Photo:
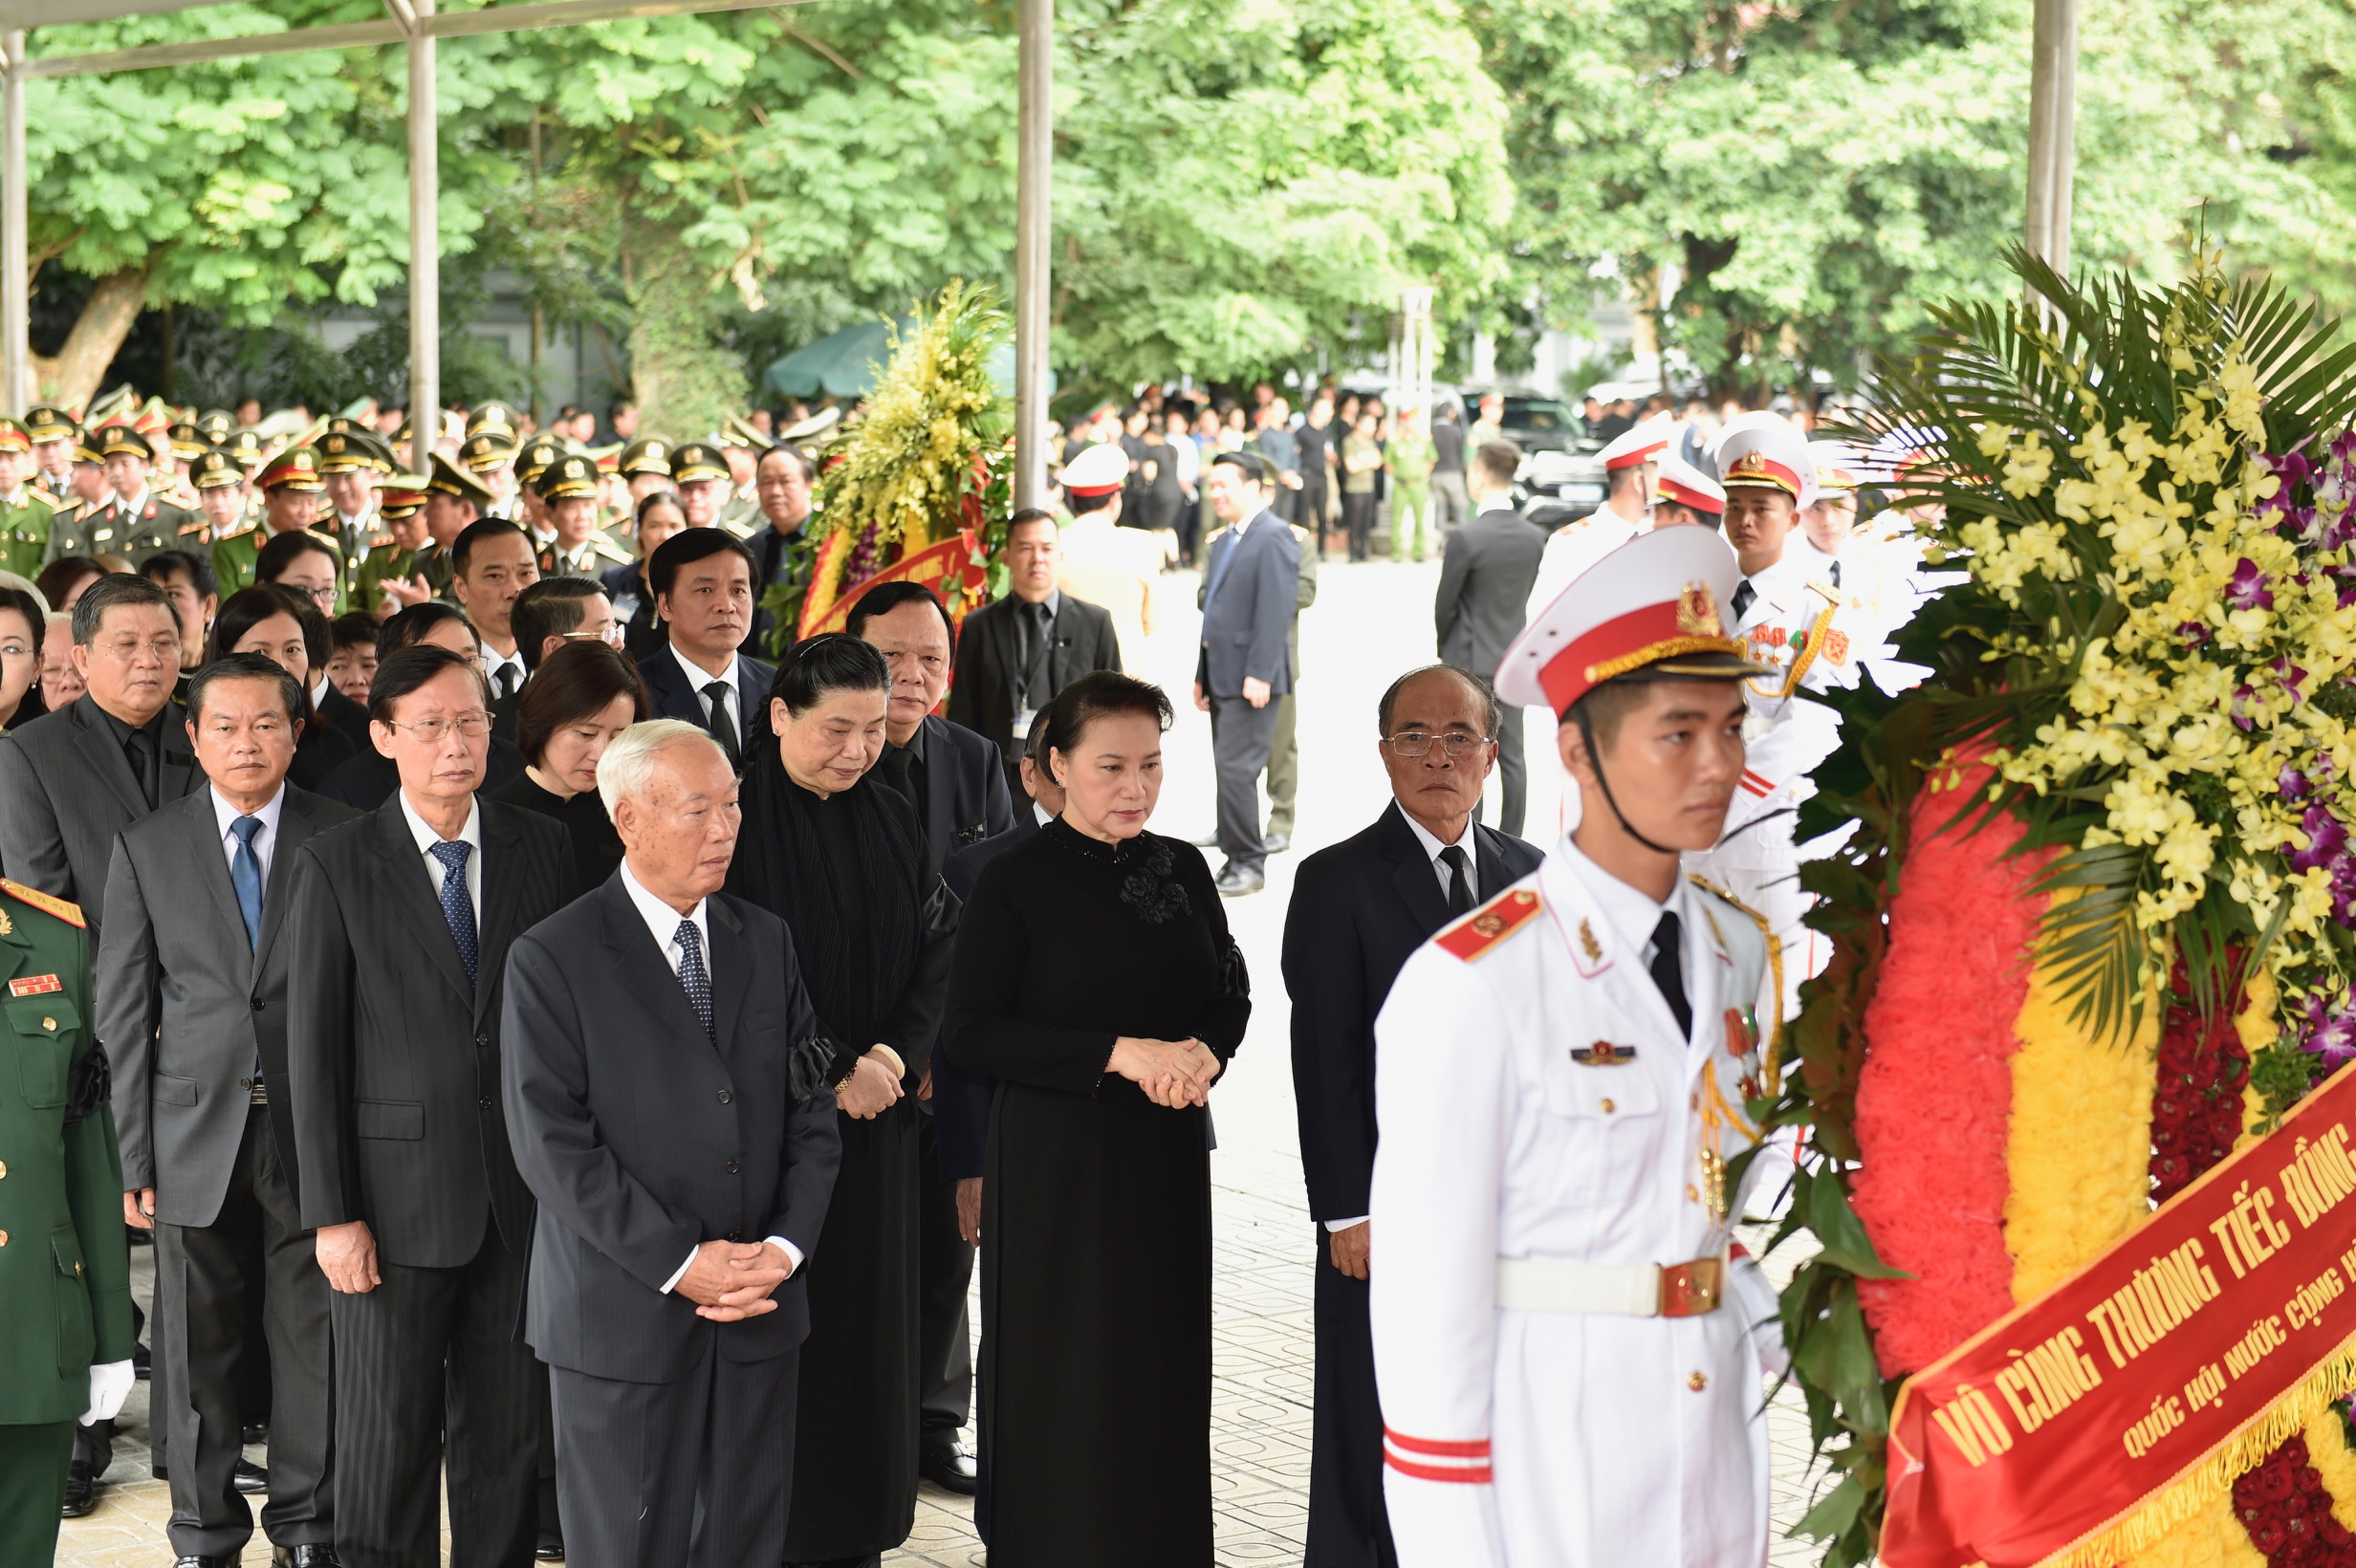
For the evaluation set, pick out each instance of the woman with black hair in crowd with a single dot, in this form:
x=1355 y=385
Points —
x=834 y=851
x=660 y=514
x=22 y=626
x=268 y=620
x=580 y=698
x=1096 y=983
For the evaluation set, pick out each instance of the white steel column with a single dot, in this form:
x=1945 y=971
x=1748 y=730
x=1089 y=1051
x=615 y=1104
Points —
x=17 y=392
x=1034 y=218
x=2053 y=130
x=424 y=247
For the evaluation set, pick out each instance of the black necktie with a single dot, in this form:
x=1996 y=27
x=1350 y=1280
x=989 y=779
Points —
x=507 y=680
x=1836 y=573
x=723 y=724
x=1036 y=678
x=692 y=976
x=139 y=750
x=1460 y=884
x=1668 y=971
x=1745 y=596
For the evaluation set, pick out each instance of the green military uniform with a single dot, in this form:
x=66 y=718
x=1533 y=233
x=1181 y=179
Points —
x=139 y=533
x=65 y=1285
x=71 y=534
x=597 y=555
x=24 y=532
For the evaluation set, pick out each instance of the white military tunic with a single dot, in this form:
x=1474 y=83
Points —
x=1571 y=550
x=1528 y=1437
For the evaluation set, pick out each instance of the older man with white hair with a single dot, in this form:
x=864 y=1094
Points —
x=665 y=1082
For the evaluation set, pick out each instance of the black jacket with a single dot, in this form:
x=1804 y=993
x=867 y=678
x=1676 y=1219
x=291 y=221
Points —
x=643 y=1139
x=960 y=1098
x=1486 y=569
x=990 y=663
x=66 y=789
x=341 y=713
x=965 y=798
x=1359 y=910
x=393 y=1057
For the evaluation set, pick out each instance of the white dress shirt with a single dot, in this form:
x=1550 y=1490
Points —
x=426 y=838
x=698 y=678
x=265 y=843
x=1634 y=914
x=494 y=661
x=1432 y=847
x=319 y=694
x=663 y=924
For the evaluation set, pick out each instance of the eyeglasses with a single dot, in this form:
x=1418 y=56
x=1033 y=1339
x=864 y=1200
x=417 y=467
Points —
x=1417 y=743
x=473 y=725
x=324 y=596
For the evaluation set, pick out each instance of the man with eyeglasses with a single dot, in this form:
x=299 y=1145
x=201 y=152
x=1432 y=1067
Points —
x=402 y=923
x=71 y=781
x=1359 y=909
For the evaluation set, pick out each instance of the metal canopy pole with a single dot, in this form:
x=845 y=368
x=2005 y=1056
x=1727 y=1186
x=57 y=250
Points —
x=1034 y=140
x=2053 y=131
x=16 y=391
x=425 y=248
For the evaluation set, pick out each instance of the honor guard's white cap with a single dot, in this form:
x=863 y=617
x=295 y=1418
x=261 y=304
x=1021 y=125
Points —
x=1641 y=443
x=1097 y=470
x=1768 y=457
x=1680 y=483
x=1839 y=470
x=1656 y=601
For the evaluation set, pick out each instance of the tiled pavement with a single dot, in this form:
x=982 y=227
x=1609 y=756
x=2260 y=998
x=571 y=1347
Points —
x=1262 y=1327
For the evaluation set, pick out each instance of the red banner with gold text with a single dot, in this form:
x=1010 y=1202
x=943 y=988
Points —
x=2081 y=1425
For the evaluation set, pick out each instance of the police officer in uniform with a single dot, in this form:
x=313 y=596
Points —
x=489 y=455
x=645 y=467
x=291 y=489
x=24 y=510
x=530 y=463
x=75 y=529
x=1568 y=1345
x=135 y=521
x=703 y=483
x=52 y=431
x=578 y=548
x=65 y=1285
x=350 y=460
x=400 y=505
x=221 y=498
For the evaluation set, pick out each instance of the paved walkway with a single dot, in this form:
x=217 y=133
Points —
x=1372 y=622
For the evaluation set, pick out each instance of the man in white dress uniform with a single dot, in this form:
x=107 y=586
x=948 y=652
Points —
x=1568 y=1346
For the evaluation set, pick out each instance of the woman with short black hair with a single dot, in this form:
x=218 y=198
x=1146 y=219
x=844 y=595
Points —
x=582 y=697
x=829 y=847
x=1096 y=983
x=269 y=619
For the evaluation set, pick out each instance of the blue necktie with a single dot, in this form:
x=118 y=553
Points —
x=1218 y=568
x=246 y=875
x=456 y=907
x=692 y=976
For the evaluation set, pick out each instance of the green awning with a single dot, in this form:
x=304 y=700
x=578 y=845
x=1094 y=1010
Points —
x=842 y=364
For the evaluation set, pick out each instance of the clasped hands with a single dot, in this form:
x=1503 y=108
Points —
x=729 y=1281
x=1173 y=1073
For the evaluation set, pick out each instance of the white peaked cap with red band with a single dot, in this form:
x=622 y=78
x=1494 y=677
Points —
x=1680 y=482
x=1638 y=443
x=1768 y=457
x=1839 y=469
x=1097 y=470
x=1662 y=600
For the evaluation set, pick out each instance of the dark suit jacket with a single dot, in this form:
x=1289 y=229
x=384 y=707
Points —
x=186 y=1007
x=341 y=713
x=393 y=1058
x=1486 y=569
x=1359 y=910
x=642 y=1138
x=66 y=789
x=1247 y=620
x=990 y=663
x=674 y=699
x=966 y=799
x=961 y=1099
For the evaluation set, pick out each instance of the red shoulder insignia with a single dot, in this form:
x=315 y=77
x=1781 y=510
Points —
x=69 y=913
x=1491 y=924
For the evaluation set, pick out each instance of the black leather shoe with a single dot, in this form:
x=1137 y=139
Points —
x=550 y=1550
x=949 y=1466
x=1276 y=843
x=309 y=1555
x=204 y=1563
x=250 y=1478
x=1235 y=882
x=142 y=1362
x=81 y=1492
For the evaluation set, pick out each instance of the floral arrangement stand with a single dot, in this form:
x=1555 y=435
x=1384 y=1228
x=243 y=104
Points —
x=2091 y=933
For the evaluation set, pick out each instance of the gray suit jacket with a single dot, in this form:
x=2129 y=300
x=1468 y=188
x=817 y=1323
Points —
x=186 y=1008
x=1249 y=610
x=1486 y=569
x=66 y=789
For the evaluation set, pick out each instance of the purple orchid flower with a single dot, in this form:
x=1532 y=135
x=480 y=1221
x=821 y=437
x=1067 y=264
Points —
x=2290 y=675
x=2334 y=1040
x=2326 y=838
x=2240 y=713
x=2248 y=590
x=2291 y=784
x=2196 y=633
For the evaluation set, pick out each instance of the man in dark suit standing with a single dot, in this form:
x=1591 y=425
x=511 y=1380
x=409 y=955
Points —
x=402 y=923
x=73 y=779
x=1013 y=656
x=682 y=1150
x=192 y=995
x=1359 y=910
x=957 y=782
x=1486 y=570
x=1252 y=579
x=702 y=582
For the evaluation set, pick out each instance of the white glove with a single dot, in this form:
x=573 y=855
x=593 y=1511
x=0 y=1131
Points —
x=110 y=1385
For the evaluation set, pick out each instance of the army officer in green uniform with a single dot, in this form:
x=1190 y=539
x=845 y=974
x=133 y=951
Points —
x=291 y=489
x=393 y=557
x=65 y=1285
x=24 y=510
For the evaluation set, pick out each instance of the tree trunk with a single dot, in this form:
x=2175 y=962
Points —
x=72 y=378
x=684 y=380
